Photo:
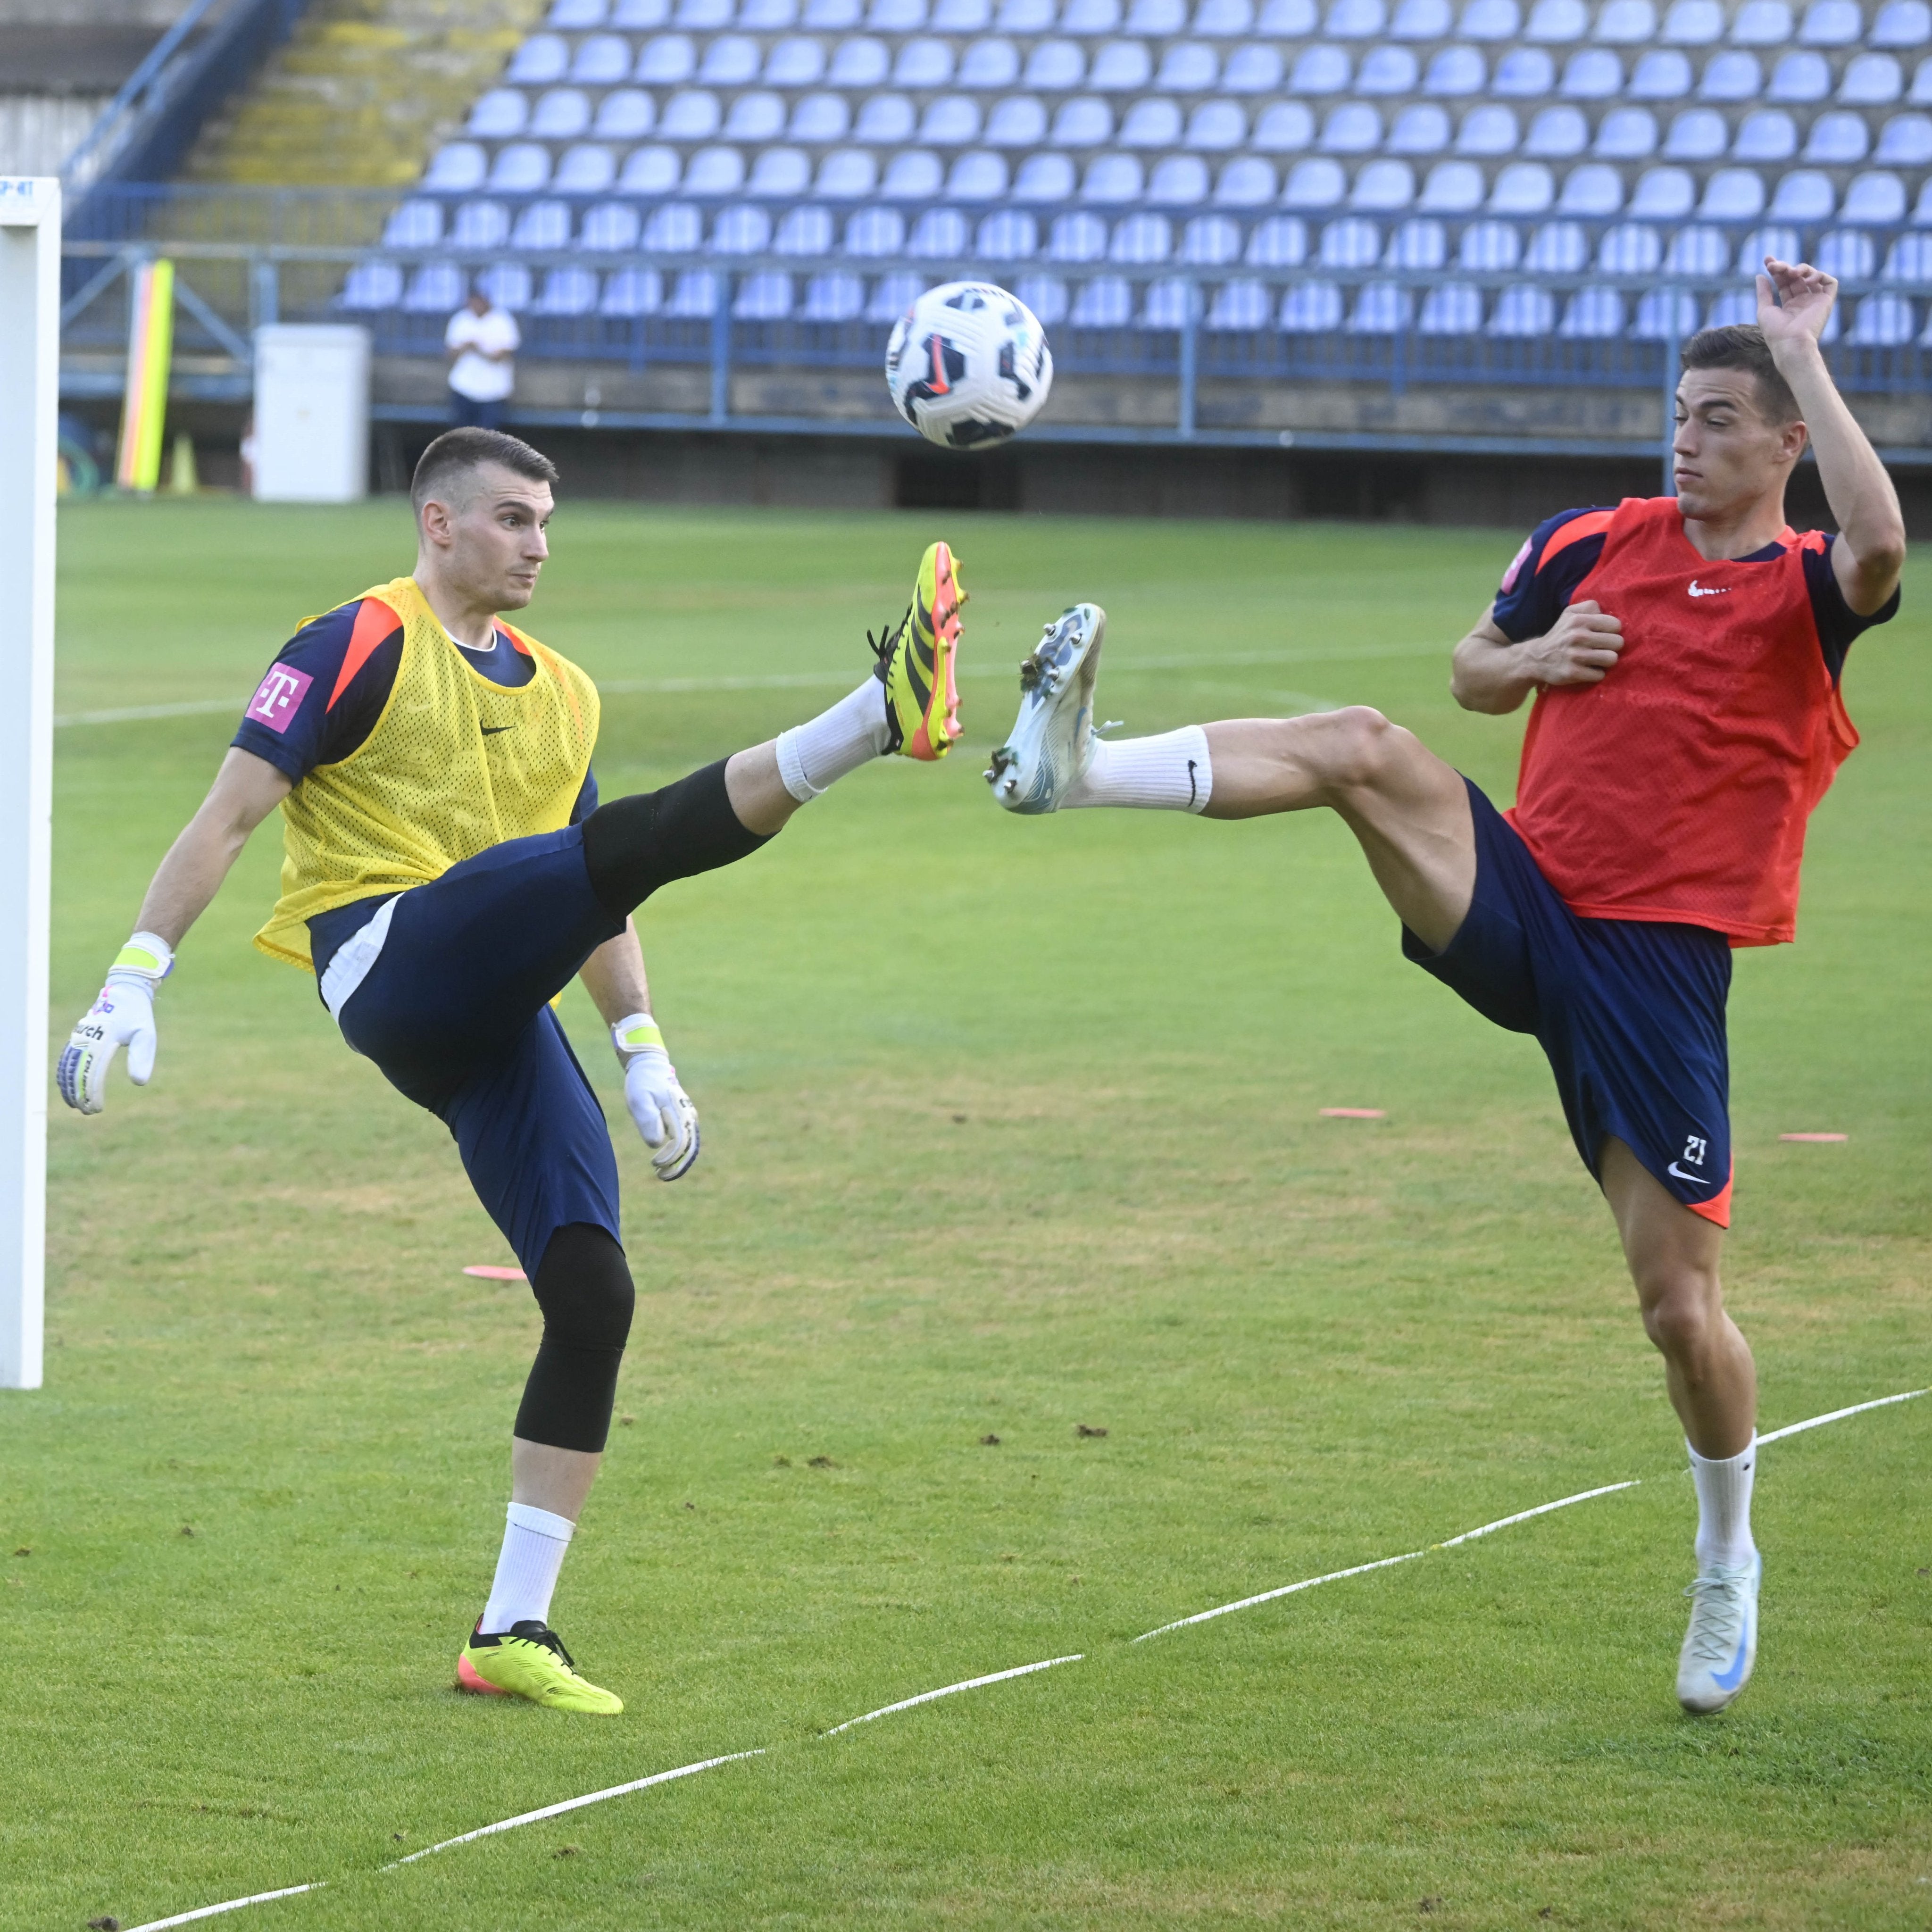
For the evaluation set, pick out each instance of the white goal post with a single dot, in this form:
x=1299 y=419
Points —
x=30 y=262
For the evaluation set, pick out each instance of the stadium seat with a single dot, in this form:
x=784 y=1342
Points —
x=1170 y=303
x=861 y=61
x=1188 y=67
x=1284 y=127
x=625 y=114
x=1557 y=248
x=1522 y=309
x=715 y=171
x=1836 y=139
x=1314 y=184
x=1594 y=191
x=1732 y=194
x=1045 y=296
x=1557 y=134
x=1422 y=128
x=1768 y=135
x=1140 y=239
x=1216 y=126
x=1882 y=322
x=1489 y=247
x=1246 y=182
x=1488 y=130
x=1180 y=181
x=1280 y=242
x=1350 y=243
x=1804 y=195
x=1831 y=23
x=1663 y=194
x=1321 y=69
x=1593 y=74
x=912 y=174
x=798 y=62
x=480 y=224
x=1105 y=302
x=587 y=168
x=691 y=114
x=1252 y=69
x=706 y=15
x=1871 y=80
x=1455 y=70
x=1663 y=315
x=567 y=292
x=762 y=17
x=977 y=176
x=1922 y=213
x=674 y=228
x=435 y=288
x=610 y=228
x=1453 y=188
x=1627 y=22
x=498 y=114
x=1910 y=260
x=988 y=64
x=922 y=63
x=1222 y=19
x=543 y=224
x=939 y=234
x=1800 y=77
x=1697 y=251
x=1694 y=23
x=1697 y=134
x=1522 y=187
x=1383 y=187
x=780 y=173
x=1085 y=122
x=1558 y=22
x=639 y=15
x=1594 y=315
x=1152 y=124
x=372 y=285
x=1077 y=238
x=1246 y=306
x=1733 y=75
x=663 y=60
x=694 y=293
x=413 y=224
x=1732 y=307
x=577 y=14
x=1055 y=66
x=755 y=117
x=650 y=171
x=1310 y=308
x=732 y=60
x=1353 y=128
x=1920 y=95
x=1421 y=20
x=1875 y=200
x=1111 y=179
x=1785 y=243
x=1210 y=241
x=833 y=298
x=1631 y=248
x=1380 y=308
x=1626 y=134
x=1524 y=74
x=507 y=285
x=1902 y=23
x=458 y=167
x=1662 y=74
x=541 y=58
x=1044 y=178
x=1419 y=244
x=1906 y=141
x=874 y=233
x=847 y=174
x=1847 y=254
x=1762 y=23
x=1451 y=308
x=742 y=230
x=1387 y=70
x=885 y=120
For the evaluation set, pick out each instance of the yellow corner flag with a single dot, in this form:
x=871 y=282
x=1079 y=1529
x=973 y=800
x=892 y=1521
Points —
x=150 y=333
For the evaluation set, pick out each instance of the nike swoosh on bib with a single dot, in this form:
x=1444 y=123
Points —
x=491 y=731
x=1710 y=589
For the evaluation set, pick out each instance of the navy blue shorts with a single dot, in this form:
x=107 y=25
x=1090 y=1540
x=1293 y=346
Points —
x=455 y=1011
x=1631 y=1015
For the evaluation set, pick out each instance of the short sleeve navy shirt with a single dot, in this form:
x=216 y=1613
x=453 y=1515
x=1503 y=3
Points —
x=1533 y=594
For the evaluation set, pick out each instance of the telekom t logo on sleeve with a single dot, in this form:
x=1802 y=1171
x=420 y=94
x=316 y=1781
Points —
x=279 y=697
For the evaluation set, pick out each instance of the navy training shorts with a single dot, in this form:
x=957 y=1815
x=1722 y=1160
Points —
x=455 y=1011
x=1630 y=1014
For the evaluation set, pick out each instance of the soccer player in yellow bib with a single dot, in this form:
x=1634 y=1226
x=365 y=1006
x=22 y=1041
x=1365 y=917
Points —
x=447 y=871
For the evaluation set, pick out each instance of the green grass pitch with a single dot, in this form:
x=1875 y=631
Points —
x=1010 y=1127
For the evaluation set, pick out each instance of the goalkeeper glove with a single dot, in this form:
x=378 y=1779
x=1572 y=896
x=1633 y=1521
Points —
x=661 y=1108
x=124 y=1015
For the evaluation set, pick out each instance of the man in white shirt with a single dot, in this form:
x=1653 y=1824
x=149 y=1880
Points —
x=481 y=340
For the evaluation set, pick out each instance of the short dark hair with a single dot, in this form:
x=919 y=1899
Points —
x=456 y=451
x=1742 y=346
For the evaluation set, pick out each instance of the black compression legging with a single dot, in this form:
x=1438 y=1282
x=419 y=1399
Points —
x=583 y=1285
x=634 y=845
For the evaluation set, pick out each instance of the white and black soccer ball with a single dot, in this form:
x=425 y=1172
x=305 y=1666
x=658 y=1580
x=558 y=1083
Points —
x=968 y=365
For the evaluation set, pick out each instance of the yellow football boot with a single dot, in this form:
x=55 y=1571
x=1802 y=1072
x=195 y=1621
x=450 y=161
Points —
x=916 y=661
x=529 y=1661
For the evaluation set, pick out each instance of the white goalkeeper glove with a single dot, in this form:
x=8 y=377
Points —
x=661 y=1108
x=124 y=1015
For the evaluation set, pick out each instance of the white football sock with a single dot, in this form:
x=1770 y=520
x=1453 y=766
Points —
x=1171 y=772
x=1723 y=1508
x=813 y=757
x=534 y=1541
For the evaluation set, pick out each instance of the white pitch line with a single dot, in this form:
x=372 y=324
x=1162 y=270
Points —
x=1286 y=1590
x=948 y=1689
x=228 y=1905
x=129 y=714
x=1541 y=1509
x=1839 y=1415
x=576 y=1804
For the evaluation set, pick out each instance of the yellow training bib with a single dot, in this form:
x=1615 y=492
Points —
x=455 y=764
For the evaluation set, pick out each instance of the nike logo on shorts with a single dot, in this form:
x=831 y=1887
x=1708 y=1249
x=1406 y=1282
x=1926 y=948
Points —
x=1702 y=1180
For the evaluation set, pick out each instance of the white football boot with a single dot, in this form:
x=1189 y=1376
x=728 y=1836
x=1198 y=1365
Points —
x=1720 y=1646
x=1052 y=740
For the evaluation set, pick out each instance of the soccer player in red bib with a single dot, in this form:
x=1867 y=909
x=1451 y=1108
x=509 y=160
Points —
x=1684 y=655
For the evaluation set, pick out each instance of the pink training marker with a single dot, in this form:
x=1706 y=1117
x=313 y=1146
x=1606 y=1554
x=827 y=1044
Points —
x=1353 y=1114
x=1814 y=1137
x=497 y=1274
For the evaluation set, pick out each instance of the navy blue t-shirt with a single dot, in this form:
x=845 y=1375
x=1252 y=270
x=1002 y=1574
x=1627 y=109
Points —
x=303 y=714
x=1534 y=596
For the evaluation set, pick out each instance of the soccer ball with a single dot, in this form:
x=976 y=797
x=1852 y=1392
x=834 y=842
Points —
x=968 y=365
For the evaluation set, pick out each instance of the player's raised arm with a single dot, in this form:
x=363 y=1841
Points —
x=1491 y=672
x=245 y=790
x=1792 y=305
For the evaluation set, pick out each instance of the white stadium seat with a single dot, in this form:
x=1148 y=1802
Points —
x=675 y=228
x=1557 y=248
x=1045 y=296
x=1451 y=308
x=804 y=231
x=706 y=15
x=639 y=15
x=480 y=224
x=1762 y=23
x=1665 y=315
x=1355 y=20
x=632 y=292
x=1522 y=309
x=1768 y=135
x=923 y=63
x=1557 y=133
x=1170 y=303
x=731 y=60
x=1418 y=245
x=652 y=170
x=1592 y=315
x=1223 y=19
x=887 y=16
x=1920 y=95
x=577 y=14
x=1733 y=307
x=1310 y=308
x=1922 y=213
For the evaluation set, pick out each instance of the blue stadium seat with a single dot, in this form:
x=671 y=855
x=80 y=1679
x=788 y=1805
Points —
x=798 y=62
x=674 y=228
x=1045 y=296
x=1321 y=69
x=1210 y=241
x=631 y=292
x=1054 y=66
x=1594 y=191
x=1111 y=179
x=988 y=64
x=1025 y=16
x=1223 y=19
x=1592 y=315
x=1593 y=74
x=1188 y=67
x=1151 y=123
x=372 y=285
x=435 y=288
x=803 y=231
x=1875 y=200
x=860 y=61
x=1044 y=178
x=1664 y=314
x=1697 y=134
x=1489 y=247
x=413 y=224
x=1801 y=76
x=1314 y=184
x=1663 y=194
x=892 y=16
x=1734 y=306
x=1837 y=140
x=507 y=284
x=1382 y=308
x=731 y=60
x=1350 y=243
x=922 y=63
x=1285 y=127
x=1090 y=17
x=1418 y=244
x=1831 y=23
x=1847 y=254
x=1083 y=122
x=977 y=175
x=1355 y=20
x=457 y=167
x=833 y=298
x=1732 y=194
x=778 y=173
x=875 y=234
x=1077 y=238
x=542 y=225
x=1522 y=188
x=1902 y=23
x=1733 y=75
x=1170 y=303
x=1421 y=128
x=1490 y=20
x=1421 y=20
x=664 y=60
x=1920 y=95
x=567 y=292
x=962 y=16
x=1140 y=239
x=1105 y=302
x=541 y=58
x=913 y=174
x=1906 y=141
x=1242 y=305
x=1627 y=22
x=758 y=115
x=847 y=174
x=1455 y=70
x=499 y=114
x=1557 y=248
x=1217 y=126
x=1453 y=188
x=576 y=13
x=625 y=114
x=1523 y=309
x=480 y=224
x=1871 y=80
x=1488 y=130
x=1383 y=187
x=1922 y=214
x=1883 y=322
x=1353 y=128
x=693 y=294
x=1008 y=236
x=885 y=120
x=1310 y=308
x=1289 y=20
x=1180 y=181
x=1255 y=68
x=1630 y=248
x=1698 y=250
x=706 y=15
x=1804 y=195
x=691 y=114
x=1762 y=23
x=1018 y=121
x=1557 y=22
x=1768 y=135
x=1785 y=243
x=744 y=229
x=1451 y=308
x=1281 y=241
x=585 y=168
x=713 y=171
x=1661 y=74
x=938 y=235
x=950 y=121
x=1910 y=260
x=1387 y=70
x=1626 y=134
x=1694 y=23
x=609 y=228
